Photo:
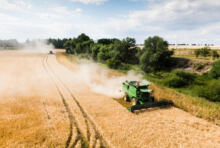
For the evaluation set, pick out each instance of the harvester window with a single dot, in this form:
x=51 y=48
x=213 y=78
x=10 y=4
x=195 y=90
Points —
x=143 y=87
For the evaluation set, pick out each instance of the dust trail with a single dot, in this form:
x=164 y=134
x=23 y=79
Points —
x=14 y=82
x=37 y=46
x=102 y=80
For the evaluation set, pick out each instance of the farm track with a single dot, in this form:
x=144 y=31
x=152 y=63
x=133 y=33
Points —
x=72 y=119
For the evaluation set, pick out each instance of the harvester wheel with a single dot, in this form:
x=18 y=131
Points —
x=134 y=101
x=126 y=97
x=151 y=99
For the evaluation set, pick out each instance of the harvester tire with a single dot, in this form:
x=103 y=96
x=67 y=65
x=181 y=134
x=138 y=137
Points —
x=126 y=98
x=134 y=101
x=152 y=99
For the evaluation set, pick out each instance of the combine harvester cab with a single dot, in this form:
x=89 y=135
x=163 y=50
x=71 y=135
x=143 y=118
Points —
x=137 y=93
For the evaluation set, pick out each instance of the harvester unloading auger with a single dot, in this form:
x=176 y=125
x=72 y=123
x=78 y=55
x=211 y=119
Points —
x=137 y=93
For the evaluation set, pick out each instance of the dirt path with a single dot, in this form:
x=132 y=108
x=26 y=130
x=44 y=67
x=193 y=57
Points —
x=45 y=104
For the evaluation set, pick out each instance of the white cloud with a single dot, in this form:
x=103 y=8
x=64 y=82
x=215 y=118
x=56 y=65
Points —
x=185 y=19
x=47 y=15
x=176 y=20
x=90 y=1
x=78 y=10
x=14 y=5
x=18 y=19
x=59 y=12
x=64 y=11
x=178 y=13
x=5 y=18
x=4 y=4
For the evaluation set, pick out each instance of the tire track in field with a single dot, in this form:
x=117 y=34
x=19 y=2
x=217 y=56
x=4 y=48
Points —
x=70 y=116
x=87 y=119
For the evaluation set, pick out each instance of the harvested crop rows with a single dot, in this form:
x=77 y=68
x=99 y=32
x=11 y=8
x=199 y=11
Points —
x=92 y=139
x=45 y=104
x=168 y=127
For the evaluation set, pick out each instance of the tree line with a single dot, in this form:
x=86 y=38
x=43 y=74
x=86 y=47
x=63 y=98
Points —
x=155 y=58
x=57 y=43
x=205 y=52
x=122 y=54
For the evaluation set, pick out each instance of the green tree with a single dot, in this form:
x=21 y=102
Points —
x=105 y=53
x=86 y=46
x=130 y=41
x=125 y=52
x=78 y=48
x=120 y=51
x=214 y=54
x=113 y=63
x=67 y=47
x=82 y=37
x=95 y=50
x=70 y=46
x=205 y=51
x=211 y=91
x=58 y=43
x=105 y=41
x=197 y=52
x=79 y=45
x=156 y=55
x=215 y=71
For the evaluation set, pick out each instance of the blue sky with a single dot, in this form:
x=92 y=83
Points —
x=178 y=21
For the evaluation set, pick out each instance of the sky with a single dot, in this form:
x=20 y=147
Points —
x=177 y=21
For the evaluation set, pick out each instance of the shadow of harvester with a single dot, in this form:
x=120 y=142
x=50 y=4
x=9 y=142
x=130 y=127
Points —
x=148 y=106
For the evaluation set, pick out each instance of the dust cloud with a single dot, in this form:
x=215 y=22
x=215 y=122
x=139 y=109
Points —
x=37 y=46
x=104 y=81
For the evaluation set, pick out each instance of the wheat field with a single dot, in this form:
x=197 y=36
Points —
x=44 y=103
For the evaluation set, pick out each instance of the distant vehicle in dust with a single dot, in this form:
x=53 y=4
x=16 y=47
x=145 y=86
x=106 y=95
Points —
x=50 y=52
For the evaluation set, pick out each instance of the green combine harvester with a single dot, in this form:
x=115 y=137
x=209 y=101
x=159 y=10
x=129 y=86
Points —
x=137 y=93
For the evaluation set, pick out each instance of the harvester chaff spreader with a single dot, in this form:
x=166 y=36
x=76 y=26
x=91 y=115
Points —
x=137 y=93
